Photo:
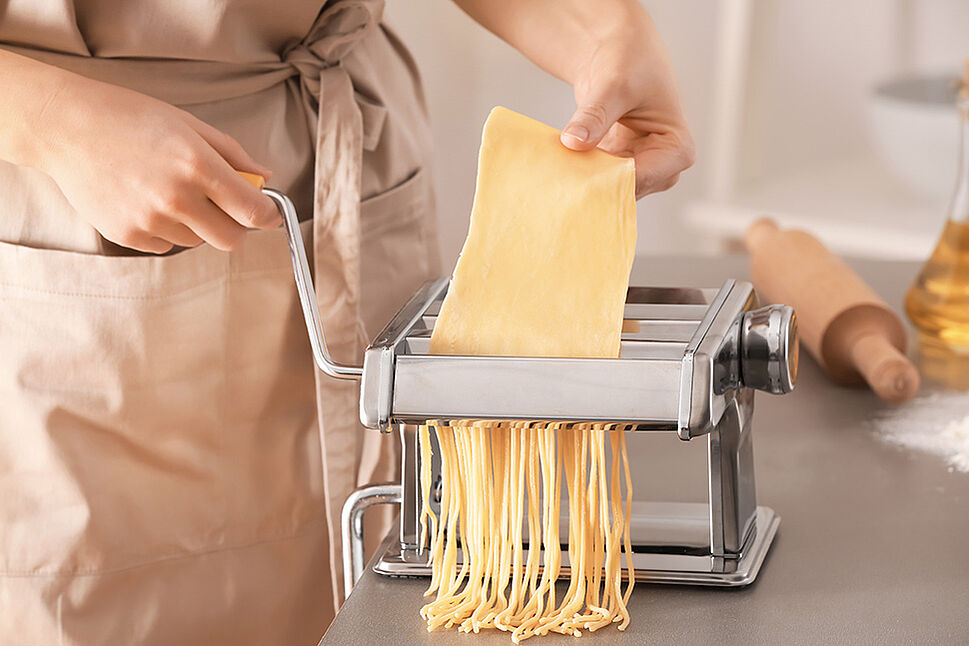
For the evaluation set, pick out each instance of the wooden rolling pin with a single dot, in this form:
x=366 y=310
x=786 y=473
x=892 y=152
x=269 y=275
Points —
x=852 y=333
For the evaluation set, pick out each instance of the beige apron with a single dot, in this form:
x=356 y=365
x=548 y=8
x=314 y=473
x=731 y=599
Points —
x=162 y=424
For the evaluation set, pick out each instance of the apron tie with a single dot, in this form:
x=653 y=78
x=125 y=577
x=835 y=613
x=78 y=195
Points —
x=326 y=86
x=333 y=34
x=336 y=239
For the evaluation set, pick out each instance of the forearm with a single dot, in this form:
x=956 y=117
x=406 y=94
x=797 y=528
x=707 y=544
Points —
x=29 y=92
x=560 y=36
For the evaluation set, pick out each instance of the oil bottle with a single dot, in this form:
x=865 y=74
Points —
x=938 y=302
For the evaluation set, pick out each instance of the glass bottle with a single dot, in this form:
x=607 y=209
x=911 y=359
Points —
x=938 y=302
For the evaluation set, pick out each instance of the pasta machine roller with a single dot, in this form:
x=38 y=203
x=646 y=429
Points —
x=690 y=362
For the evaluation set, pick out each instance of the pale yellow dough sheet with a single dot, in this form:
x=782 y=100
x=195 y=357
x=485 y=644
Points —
x=545 y=267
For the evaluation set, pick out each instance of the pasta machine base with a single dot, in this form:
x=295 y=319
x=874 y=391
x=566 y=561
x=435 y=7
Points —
x=668 y=547
x=689 y=363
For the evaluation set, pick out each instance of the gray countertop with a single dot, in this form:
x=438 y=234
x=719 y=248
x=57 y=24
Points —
x=873 y=546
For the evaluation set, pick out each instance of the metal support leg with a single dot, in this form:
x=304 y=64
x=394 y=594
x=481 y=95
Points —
x=352 y=521
x=733 y=498
x=410 y=509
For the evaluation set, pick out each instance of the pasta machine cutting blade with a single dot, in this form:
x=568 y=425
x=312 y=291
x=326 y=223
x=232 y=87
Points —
x=690 y=362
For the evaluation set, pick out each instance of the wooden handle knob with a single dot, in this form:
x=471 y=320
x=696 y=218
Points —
x=256 y=180
x=889 y=372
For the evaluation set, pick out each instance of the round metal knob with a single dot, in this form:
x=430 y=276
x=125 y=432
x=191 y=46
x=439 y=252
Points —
x=769 y=349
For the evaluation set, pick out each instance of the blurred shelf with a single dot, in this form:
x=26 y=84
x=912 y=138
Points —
x=853 y=205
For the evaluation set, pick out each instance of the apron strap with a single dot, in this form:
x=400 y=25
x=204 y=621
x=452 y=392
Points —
x=336 y=242
x=336 y=259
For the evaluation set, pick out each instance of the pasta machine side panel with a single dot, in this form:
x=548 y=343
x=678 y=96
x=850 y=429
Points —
x=377 y=383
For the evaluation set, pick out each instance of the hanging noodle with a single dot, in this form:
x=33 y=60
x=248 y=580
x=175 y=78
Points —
x=499 y=480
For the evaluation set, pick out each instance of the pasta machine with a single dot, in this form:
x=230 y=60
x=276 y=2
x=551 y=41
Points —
x=690 y=362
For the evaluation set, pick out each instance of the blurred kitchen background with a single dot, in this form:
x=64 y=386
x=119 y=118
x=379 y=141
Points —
x=833 y=115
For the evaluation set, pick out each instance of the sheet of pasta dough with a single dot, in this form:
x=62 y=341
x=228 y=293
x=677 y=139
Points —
x=545 y=267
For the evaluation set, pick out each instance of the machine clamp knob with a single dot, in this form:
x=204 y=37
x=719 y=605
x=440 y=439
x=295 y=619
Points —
x=769 y=349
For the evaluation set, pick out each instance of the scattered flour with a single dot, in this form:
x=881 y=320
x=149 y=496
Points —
x=936 y=423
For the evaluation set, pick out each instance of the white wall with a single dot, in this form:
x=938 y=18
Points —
x=811 y=66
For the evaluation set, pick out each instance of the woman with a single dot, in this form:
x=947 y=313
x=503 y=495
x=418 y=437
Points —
x=171 y=466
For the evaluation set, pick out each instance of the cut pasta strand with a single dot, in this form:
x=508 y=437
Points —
x=499 y=479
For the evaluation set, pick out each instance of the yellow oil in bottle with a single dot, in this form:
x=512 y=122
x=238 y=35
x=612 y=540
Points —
x=938 y=301
x=938 y=305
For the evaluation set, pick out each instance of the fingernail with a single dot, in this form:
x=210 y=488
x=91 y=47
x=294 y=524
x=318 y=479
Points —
x=578 y=132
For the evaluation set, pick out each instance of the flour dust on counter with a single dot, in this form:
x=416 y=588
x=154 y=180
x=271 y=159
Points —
x=936 y=423
x=543 y=273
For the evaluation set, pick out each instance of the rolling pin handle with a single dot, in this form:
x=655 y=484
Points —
x=759 y=232
x=889 y=372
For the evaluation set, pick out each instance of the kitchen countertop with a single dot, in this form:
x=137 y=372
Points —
x=873 y=545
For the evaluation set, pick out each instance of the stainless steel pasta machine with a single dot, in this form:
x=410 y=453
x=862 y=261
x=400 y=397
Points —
x=690 y=362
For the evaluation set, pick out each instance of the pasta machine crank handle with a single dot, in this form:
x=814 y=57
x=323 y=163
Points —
x=307 y=293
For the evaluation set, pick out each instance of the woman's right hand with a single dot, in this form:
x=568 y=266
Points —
x=145 y=174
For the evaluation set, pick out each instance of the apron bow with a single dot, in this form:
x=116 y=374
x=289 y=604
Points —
x=334 y=32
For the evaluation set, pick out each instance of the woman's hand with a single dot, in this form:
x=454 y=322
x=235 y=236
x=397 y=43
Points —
x=612 y=55
x=145 y=174
x=628 y=105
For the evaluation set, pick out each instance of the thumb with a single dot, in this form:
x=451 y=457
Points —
x=590 y=123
